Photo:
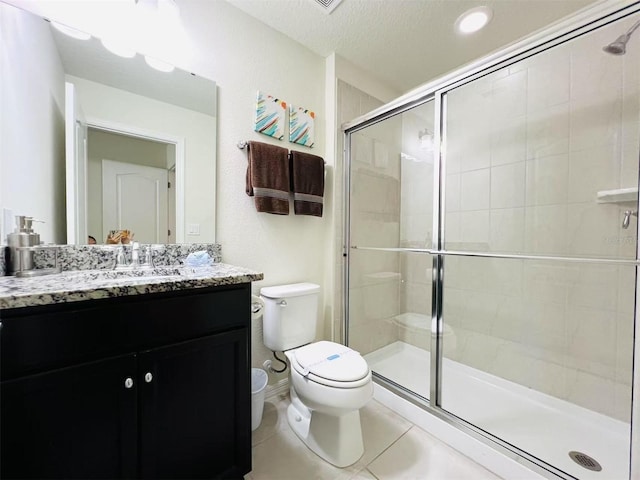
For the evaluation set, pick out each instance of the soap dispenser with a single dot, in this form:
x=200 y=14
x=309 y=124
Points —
x=19 y=258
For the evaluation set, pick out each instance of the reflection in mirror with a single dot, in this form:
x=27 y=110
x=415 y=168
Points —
x=119 y=111
x=129 y=177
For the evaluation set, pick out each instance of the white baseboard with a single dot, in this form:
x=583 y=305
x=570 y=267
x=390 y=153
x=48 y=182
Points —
x=278 y=388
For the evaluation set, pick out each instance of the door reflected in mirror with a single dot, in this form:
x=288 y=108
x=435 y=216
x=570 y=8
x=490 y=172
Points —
x=131 y=186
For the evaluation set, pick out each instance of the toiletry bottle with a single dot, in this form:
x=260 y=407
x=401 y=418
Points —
x=23 y=236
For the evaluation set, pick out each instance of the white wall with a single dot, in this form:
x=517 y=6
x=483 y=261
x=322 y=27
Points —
x=243 y=56
x=32 y=170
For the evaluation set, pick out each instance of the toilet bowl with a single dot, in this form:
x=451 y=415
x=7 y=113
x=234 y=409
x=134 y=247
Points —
x=329 y=385
x=329 y=382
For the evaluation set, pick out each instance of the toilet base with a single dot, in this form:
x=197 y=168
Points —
x=336 y=439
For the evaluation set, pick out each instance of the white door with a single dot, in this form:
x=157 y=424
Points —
x=134 y=198
x=76 y=165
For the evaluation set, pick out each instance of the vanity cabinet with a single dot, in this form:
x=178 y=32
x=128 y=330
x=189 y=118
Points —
x=147 y=386
x=74 y=422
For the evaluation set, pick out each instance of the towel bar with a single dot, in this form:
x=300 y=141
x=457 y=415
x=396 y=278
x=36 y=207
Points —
x=242 y=144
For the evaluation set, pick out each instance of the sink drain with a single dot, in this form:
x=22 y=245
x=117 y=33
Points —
x=585 y=461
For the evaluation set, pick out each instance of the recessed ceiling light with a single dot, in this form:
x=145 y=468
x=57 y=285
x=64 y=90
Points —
x=473 y=20
x=72 y=32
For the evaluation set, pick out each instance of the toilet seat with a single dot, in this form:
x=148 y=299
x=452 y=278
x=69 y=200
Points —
x=331 y=364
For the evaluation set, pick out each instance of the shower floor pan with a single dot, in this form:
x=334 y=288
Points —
x=544 y=426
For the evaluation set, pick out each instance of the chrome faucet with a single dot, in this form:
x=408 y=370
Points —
x=136 y=259
x=627 y=217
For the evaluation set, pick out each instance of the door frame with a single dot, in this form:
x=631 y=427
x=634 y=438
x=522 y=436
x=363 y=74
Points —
x=179 y=142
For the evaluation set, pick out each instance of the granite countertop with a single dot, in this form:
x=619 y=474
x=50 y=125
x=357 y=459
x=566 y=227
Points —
x=79 y=285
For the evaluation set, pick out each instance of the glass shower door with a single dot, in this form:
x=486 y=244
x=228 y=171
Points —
x=391 y=232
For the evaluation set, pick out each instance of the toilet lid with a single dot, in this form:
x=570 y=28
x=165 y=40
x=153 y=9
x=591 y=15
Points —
x=331 y=361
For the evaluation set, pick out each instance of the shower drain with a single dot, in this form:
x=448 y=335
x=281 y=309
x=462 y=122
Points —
x=585 y=461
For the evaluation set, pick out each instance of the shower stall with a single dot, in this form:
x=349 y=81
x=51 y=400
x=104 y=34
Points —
x=491 y=248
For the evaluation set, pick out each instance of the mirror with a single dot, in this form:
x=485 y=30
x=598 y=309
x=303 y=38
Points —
x=122 y=118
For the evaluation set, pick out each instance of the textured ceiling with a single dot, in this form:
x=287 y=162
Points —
x=405 y=43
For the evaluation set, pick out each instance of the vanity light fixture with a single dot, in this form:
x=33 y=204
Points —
x=473 y=20
x=72 y=32
x=118 y=47
x=159 y=64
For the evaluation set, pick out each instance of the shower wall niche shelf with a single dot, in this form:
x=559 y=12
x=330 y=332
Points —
x=619 y=195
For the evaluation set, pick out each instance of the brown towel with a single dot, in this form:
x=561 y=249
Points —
x=307 y=183
x=268 y=177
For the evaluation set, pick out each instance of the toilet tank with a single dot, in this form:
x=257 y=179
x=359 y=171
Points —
x=290 y=315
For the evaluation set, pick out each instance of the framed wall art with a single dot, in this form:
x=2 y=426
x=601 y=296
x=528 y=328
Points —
x=301 y=126
x=270 y=115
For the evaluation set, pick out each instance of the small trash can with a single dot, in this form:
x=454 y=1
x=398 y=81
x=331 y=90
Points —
x=258 y=385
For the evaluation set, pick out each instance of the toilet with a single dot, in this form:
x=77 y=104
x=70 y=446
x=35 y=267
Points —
x=329 y=382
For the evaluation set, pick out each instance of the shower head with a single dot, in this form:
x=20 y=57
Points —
x=619 y=46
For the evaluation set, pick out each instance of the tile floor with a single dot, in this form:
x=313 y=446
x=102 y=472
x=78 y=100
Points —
x=395 y=449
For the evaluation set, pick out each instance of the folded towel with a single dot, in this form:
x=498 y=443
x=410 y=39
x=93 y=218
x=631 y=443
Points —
x=268 y=177
x=307 y=183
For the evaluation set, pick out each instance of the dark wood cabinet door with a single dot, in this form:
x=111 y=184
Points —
x=76 y=422
x=195 y=408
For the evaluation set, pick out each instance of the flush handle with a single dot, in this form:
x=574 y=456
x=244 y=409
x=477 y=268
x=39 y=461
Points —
x=282 y=303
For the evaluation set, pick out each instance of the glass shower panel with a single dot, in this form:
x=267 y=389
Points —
x=545 y=349
x=390 y=314
x=374 y=299
x=391 y=210
x=542 y=156
x=392 y=181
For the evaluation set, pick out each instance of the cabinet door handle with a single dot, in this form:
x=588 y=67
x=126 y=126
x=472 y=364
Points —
x=148 y=377
x=128 y=382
